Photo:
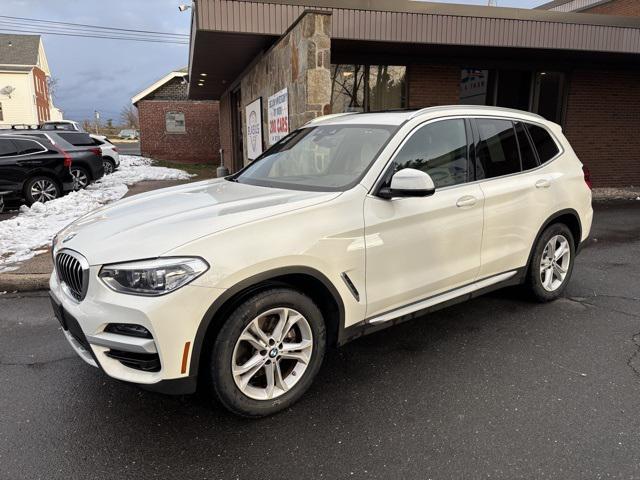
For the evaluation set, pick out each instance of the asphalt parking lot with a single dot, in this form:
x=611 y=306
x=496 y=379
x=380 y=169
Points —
x=128 y=147
x=495 y=388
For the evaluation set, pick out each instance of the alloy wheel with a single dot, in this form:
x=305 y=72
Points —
x=80 y=179
x=108 y=167
x=554 y=264
x=272 y=353
x=43 y=190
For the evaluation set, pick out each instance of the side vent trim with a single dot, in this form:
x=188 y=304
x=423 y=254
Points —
x=352 y=288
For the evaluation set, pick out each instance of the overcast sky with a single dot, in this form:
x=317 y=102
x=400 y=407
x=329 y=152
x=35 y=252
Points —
x=103 y=75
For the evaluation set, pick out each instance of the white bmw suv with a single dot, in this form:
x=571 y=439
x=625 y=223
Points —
x=350 y=224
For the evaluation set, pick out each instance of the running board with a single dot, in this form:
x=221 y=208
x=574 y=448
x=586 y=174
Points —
x=443 y=297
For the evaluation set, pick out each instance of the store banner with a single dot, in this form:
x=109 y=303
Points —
x=278 y=116
x=253 y=114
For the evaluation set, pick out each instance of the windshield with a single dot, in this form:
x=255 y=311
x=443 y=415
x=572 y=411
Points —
x=324 y=158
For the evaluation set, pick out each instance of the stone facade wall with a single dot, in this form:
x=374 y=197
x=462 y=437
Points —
x=199 y=144
x=301 y=62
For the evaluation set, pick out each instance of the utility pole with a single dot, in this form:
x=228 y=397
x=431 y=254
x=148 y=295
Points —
x=97 y=118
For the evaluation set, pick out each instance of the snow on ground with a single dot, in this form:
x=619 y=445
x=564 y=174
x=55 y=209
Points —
x=34 y=228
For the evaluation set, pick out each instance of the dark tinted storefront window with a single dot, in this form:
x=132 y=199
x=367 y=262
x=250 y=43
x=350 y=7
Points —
x=387 y=87
x=498 y=148
x=367 y=88
x=475 y=87
x=548 y=100
x=347 y=88
x=538 y=92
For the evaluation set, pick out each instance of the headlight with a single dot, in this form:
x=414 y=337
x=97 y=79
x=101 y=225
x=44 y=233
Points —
x=152 y=277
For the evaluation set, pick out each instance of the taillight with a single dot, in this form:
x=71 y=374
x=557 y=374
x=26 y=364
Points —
x=587 y=177
x=114 y=149
x=96 y=151
x=67 y=159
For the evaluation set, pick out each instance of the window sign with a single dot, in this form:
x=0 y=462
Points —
x=175 y=122
x=278 y=116
x=253 y=114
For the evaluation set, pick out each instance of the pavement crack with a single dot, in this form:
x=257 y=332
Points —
x=583 y=301
x=34 y=363
x=634 y=360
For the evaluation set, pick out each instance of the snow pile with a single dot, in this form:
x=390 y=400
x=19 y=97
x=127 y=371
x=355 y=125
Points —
x=33 y=228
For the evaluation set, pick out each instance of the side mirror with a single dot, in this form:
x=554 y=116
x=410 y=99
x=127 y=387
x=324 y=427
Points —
x=409 y=182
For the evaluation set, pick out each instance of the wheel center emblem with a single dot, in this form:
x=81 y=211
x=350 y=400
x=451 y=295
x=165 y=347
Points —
x=273 y=353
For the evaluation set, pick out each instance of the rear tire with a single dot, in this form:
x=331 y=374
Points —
x=41 y=189
x=81 y=178
x=551 y=263
x=267 y=353
x=109 y=166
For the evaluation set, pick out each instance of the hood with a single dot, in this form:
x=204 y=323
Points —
x=150 y=224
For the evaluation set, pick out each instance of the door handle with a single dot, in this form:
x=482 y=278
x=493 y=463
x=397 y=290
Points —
x=543 y=183
x=466 y=201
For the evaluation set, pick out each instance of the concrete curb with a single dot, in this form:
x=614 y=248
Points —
x=24 y=282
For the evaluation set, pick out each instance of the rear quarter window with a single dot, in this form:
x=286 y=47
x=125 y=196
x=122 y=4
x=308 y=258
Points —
x=544 y=143
x=77 y=139
x=7 y=148
x=28 y=146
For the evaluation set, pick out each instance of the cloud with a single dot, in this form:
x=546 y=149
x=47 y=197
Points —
x=103 y=75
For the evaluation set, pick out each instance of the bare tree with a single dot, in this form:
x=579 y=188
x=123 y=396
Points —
x=52 y=85
x=129 y=117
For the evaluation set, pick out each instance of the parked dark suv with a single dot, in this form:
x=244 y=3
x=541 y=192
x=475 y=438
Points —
x=87 y=157
x=33 y=169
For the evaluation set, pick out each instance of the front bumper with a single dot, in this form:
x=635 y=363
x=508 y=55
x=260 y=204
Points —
x=172 y=320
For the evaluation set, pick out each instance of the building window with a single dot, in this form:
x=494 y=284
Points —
x=368 y=88
x=175 y=123
x=537 y=92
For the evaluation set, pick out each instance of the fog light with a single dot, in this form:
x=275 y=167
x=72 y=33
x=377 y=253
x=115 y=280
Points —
x=129 y=330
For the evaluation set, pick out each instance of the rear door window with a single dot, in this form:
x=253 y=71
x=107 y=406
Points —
x=544 y=143
x=77 y=139
x=527 y=153
x=7 y=148
x=497 y=151
x=28 y=146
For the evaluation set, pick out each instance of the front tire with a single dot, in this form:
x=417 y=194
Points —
x=551 y=263
x=268 y=352
x=41 y=189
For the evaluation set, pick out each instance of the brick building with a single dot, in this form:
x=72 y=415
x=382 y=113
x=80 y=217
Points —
x=172 y=127
x=628 y=8
x=575 y=62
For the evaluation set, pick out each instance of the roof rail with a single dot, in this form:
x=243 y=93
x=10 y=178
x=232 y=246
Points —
x=479 y=108
x=19 y=126
x=327 y=117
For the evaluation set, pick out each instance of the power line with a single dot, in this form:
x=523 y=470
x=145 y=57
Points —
x=14 y=24
x=98 y=27
x=131 y=39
